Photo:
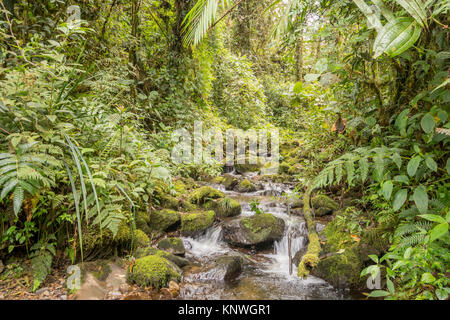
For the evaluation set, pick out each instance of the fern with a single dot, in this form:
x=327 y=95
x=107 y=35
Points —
x=41 y=260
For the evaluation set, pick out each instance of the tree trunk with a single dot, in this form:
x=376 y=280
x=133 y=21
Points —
x=299 y=59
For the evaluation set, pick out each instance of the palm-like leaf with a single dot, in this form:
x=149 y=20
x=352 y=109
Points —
x=396 y=37
x=201 y=17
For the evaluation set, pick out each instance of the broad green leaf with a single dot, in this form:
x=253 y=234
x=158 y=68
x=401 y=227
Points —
x=397 y=160
x=448 y=166
x=390 y=286
x=396 y=37
x=378 y=293
x=298 y=87
x=387 y=189
x=416 y=9
x=427 y=278
x=373 y=257
x=442 y=114
x=399 y=199
x=402 y=178
x=311 y=77
x=433 y=217
x=407 y=253
x=413 y=164
x=428 y=124
x=431 y=164
x=439 y=231
x=421 y=199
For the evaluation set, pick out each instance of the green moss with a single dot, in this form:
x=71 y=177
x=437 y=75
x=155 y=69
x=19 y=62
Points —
x=226 y=207
x=180 y=187
x=149 y=251
x=311 y=259
x=204 y=194
x=153 y=271
x=284 y=167
x=218 y=180
x=164 y=220
x=141 y=239
x=246 y=186
x=230 y=182
x=243 y=168
x=172 y=245
x=196 y=223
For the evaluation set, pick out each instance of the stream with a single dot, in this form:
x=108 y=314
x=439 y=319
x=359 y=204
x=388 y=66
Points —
x=265 y=274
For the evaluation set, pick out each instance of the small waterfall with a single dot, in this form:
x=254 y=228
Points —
x=299 y=239
x=208 y=244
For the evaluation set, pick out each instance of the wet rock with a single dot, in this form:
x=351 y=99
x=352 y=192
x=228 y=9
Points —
x=63 y=297
x=323 y=205
x=174 y=289
x=194 y=224
x=226 y=207
x=179 y=261
x=165 y=220
x=245 y=186
x=231 y=267
x=299 y=255
x=172 y=245
x=230 y=182
x=297 y=212
x=296 y=203
x=258 y=230
x=42 y=291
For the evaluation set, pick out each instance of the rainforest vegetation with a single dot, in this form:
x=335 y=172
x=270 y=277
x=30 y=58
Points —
x=91 y=92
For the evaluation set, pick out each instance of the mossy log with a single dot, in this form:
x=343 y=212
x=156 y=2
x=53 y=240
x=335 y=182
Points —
x=311 y=259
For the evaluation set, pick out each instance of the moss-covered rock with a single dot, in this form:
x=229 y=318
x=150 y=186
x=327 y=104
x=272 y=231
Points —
x=165 y=220
x=343 y=269
x=228 y=267
x=154 y=271
x=323 y=205
x=205 y=194
x=284 y=167
x=172 y=245
x=218 y=180
x=149 y=251
x=245 y=186
x=141 y=239
x=230 y=181
x=194 y=224
x=142 y=220
x=244 y=168
x=258 y=230
x=226 y=207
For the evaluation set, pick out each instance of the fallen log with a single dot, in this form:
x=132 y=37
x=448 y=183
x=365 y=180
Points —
x=311 y=257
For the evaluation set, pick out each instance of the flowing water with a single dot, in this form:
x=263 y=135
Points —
x=266 y=275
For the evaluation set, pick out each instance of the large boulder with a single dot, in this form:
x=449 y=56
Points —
x=246 y=168
x=323 y=205
x=142 y=221
x=258 y=230
x=165 y=220
x=225 y=208
x=194 y=224
x=230 y=181
x=245 y=186
x=149 y=251
x=154 y=271
x=172 y=245
x=204 y=194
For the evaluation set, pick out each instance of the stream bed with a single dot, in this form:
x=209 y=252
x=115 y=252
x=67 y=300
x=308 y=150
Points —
x=266 y=274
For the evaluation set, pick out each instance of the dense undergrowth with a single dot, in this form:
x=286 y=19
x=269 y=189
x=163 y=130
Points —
x=87 y=109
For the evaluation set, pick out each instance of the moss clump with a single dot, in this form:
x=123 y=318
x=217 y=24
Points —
x=141 y=239
x=205 y=194
x=311 y=259
x=193 y=224
x=323 y=205
x=153 y=271
x=226 y=207
x=218 y=180
x=164 y=220
x=172 y=245
x=149 y=251
x=246 y=186
x=180 y=187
